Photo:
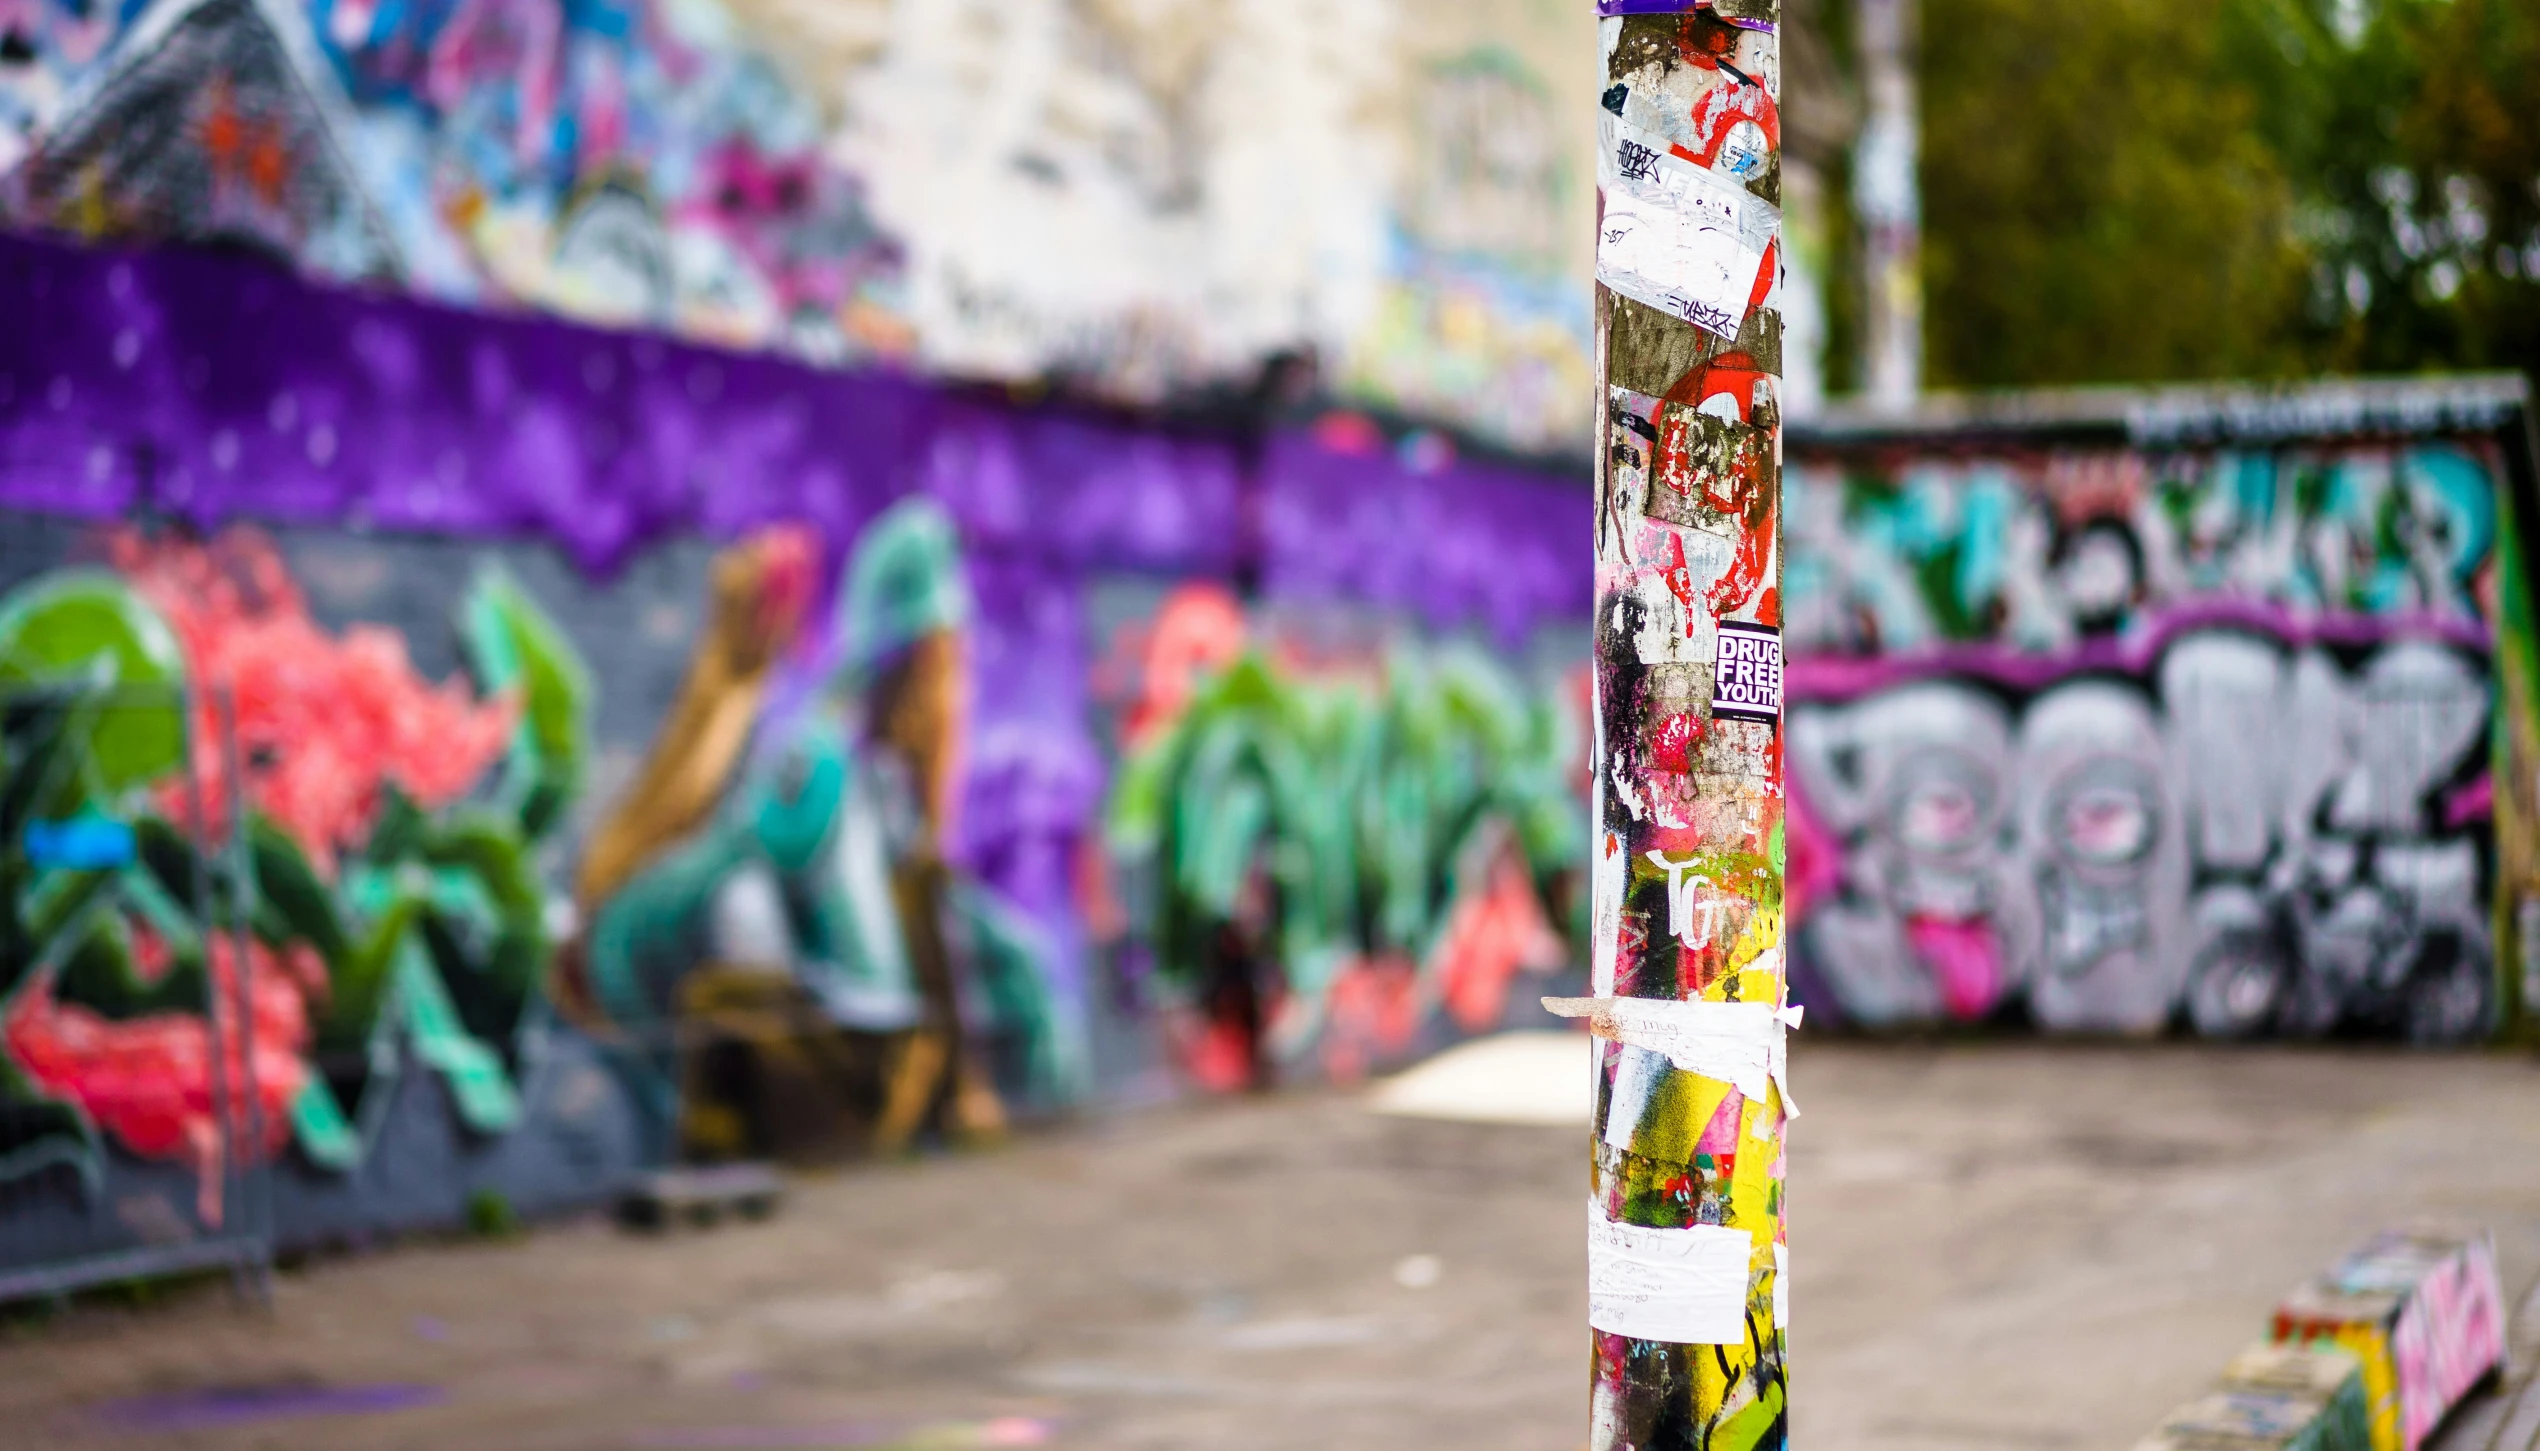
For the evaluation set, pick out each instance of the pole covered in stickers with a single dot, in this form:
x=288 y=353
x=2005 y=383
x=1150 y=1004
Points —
x=1687 y=1259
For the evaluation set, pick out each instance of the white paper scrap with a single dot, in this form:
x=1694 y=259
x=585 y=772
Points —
x=1740 y=1043
x=1678 y=236
x=1609 y=882
x=1637 y=1074
x=1673 y=1286
x=1781 y=1287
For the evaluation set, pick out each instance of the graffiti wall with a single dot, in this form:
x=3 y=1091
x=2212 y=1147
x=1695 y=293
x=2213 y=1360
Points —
x=304 y=819
x=1113 y=196
x=576 y=750
x=2116 y=723
x=637 y=164
x=1332 y=840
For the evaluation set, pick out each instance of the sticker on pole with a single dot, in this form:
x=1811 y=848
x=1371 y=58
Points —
x=1673 y=1286
x=1677 y=236
x=1746 y=684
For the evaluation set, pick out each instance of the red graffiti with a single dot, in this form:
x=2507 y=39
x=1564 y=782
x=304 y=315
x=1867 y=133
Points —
x=1679 y=577
x=1199 y=631
x=1744 y=491
x=1708 y=43
x=1737 y=375
x=242 y=147
x=1373 y=1015
x=149 y=1081
x=1739 y=585
x=324 y=724
x=1490 y=937
x=1671 y=747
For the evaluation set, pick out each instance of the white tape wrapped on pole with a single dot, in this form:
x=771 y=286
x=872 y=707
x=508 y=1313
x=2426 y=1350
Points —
x=1672 y=1286
x=1746 y=1044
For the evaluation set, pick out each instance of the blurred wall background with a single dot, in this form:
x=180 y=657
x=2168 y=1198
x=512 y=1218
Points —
x=942 y=561
x=1138 y=201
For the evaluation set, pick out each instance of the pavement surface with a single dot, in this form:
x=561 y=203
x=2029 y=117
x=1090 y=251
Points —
x=1996 y=1246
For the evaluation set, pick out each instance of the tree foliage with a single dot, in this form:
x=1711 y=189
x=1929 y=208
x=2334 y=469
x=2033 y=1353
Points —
x=2154 y=189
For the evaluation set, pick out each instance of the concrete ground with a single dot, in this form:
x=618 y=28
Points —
x=1996 y=1246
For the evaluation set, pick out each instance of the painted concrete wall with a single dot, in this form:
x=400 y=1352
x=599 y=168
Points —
x=992 y=713
x=1140 y=198
x=2115 y=734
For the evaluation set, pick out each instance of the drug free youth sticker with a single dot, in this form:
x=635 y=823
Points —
x=1746 y=682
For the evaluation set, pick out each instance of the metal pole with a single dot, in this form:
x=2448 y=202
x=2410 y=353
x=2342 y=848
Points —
x=253 y=1225
x=1686 y=1251
x=1887 y=195
x=206 y=919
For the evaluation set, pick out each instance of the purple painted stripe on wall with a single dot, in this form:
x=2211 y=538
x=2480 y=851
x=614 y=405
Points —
x=212 y=387
x=1847 y=677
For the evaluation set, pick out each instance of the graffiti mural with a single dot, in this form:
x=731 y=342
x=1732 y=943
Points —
x=385 y=888
x=776 y=855
x=721 y=170
x=2423 y=1312
x=787 y=863
x=718 y=758
x=636 y=164
x=1331 y=840
x=1482 y=317
x=2117 y=738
